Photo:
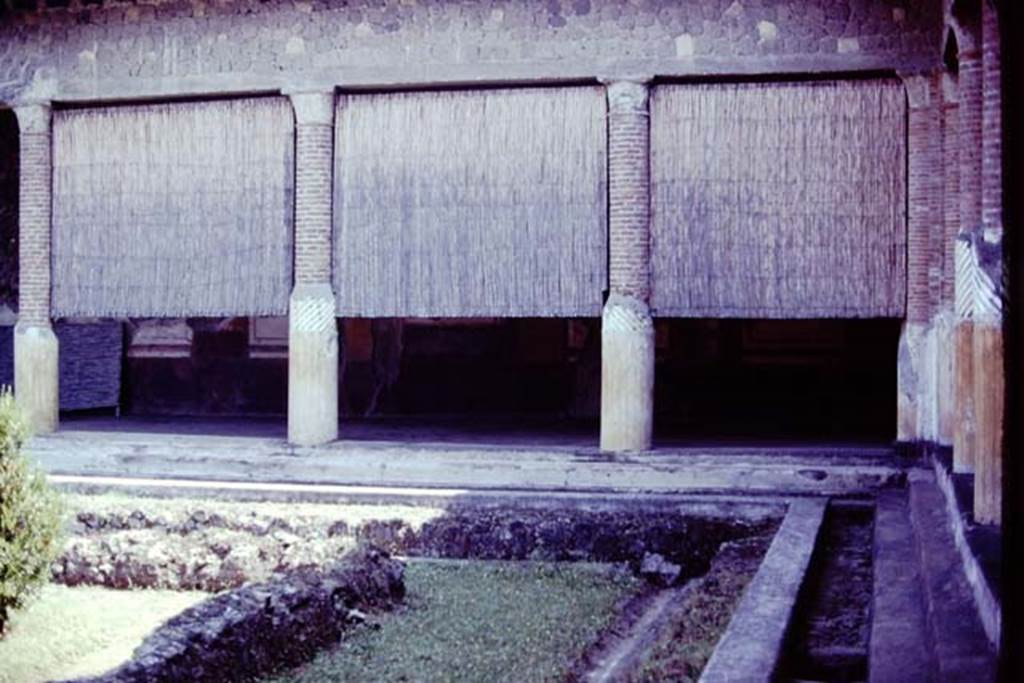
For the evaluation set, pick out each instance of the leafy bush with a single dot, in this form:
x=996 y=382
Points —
x=30 y=516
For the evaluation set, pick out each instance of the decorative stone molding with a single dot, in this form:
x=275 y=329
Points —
x=919 y=90
x=630 y=95
x=313 y=108
x=33 y=118
x=312 y=309
x=626 y=314
x=964 y=278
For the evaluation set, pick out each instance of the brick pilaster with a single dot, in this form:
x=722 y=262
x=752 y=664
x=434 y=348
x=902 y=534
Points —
x=970 y=115
x=925 y=185
x=314 y=154
x=629 y=201
x=36 y=349
x=951 y=178
x=945 y=320
x=34 y=209
x=992 y=123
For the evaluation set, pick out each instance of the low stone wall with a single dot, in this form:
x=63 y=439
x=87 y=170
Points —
x=261 y=628
x=637 y=537
x=215 y=545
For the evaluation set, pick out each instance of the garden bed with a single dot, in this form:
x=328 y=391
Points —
x=498 y=591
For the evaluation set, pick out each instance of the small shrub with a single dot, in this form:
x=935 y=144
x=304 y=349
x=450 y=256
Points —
x=30 y=516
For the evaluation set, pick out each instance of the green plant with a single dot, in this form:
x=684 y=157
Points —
x=30 y=516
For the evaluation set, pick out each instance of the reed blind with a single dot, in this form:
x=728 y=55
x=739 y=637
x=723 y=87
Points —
x=471 y=203
x=177 y=209
x=779 y=200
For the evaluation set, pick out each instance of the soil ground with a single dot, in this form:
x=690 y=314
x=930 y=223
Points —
x=73 y=632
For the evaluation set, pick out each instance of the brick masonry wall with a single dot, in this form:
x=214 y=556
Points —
x=951 y=199
x=629 y=200
x=34 y=209
x=123 y=48
x=925 y=185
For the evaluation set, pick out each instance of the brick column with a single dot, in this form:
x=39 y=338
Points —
x=627 y=330
x=35 y=345
x=312 y=327
x=989 y=380
x=969 y=115
x=946 y=315
x=917 y=403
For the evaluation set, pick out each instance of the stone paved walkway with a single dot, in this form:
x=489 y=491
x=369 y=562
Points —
x=925 y=623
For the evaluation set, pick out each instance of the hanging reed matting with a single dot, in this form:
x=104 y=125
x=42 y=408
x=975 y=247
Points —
x=779 y=200
x=471 y=203
x=180 y=209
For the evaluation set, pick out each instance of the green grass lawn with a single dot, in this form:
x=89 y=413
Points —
x=480 y=621
x=75 y=632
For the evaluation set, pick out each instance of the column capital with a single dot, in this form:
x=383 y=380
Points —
x=627 y=93
x=33 y=117
x=921 y=89
x=313 y=108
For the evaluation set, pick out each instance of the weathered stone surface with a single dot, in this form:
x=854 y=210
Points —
x=260 y=628
x=108 y=48
x=657 y=570
x=194 y=550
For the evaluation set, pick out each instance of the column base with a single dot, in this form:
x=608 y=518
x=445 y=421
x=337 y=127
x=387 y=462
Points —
x=36 y=376
x=312 y=366
x=627 y=375
x=989 y=393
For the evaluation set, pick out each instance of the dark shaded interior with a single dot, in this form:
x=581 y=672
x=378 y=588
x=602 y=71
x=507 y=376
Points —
x=8 y=209
x=790 y=379
x=777 y=378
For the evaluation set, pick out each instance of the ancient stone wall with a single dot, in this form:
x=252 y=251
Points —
x=98 y=49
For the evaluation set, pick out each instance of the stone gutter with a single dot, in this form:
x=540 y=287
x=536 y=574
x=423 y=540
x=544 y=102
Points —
x=752 y=646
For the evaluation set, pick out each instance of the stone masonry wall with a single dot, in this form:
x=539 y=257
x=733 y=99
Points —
x=97 y=49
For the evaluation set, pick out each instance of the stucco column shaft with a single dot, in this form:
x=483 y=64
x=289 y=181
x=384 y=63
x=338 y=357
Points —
x=917 y=363
x=989 y=381
x=35 y=345
x=627 y=330
x=312 y=326
x=969 y=113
